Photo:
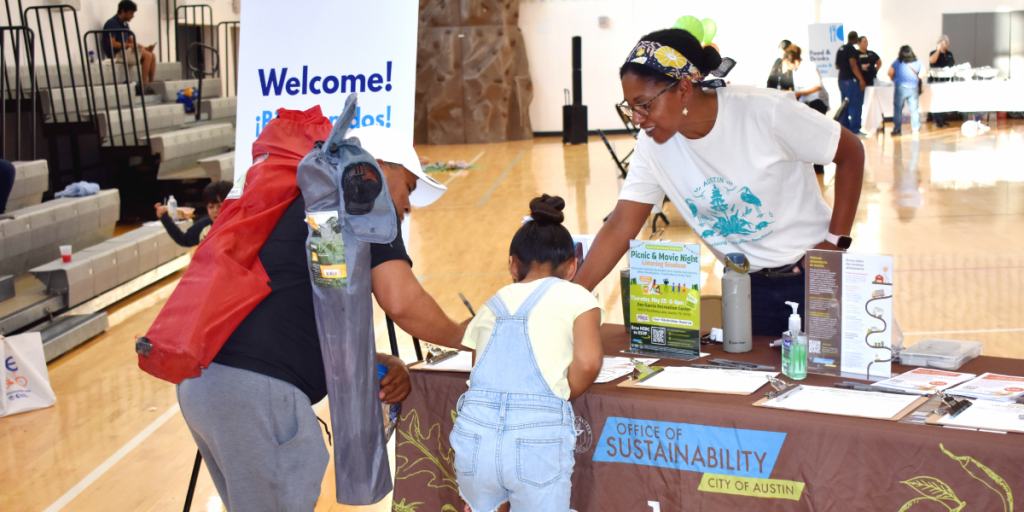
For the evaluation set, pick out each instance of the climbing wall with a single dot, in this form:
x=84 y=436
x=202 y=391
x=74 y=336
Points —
x=472 y=77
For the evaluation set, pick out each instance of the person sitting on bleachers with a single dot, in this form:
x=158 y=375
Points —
x=125 y=12
x=7 y=173
x=213 y=196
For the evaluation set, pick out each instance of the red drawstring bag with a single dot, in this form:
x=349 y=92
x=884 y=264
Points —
x=225 y=279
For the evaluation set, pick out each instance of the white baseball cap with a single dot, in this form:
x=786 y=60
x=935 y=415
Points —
x=390 y=145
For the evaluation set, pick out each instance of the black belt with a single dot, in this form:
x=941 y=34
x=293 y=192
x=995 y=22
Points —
x=785 y=269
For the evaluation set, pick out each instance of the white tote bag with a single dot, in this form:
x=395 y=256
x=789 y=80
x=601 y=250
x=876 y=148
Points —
x=27 y=383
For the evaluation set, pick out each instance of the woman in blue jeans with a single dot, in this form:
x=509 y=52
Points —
x=906 y=73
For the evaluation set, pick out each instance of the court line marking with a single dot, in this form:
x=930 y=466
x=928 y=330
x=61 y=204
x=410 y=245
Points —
x=975 y=331
x=113 y=459
x=457 y=174
x=496 y=183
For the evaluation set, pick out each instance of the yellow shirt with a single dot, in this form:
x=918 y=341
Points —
x=550 y=327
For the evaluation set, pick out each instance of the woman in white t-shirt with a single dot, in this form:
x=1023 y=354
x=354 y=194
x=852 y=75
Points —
x=807 y=85
x=736 y=161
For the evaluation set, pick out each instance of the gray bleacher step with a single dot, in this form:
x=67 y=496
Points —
x=31 y=181
x=169 y=89
x=69 y=331
x=160 y=117
x=6 y=288
x=220 y=108
x=64 y=99
x=110 y=264
x=192 y=141
x=220 y=167
x=112 y=73
x=35 y=233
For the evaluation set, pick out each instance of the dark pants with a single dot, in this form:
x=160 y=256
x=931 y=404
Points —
x=7 y=173
x=768 y=295
x=820 y=106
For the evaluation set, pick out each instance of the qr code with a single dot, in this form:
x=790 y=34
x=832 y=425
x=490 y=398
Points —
x=814 y=347
x=658 y=335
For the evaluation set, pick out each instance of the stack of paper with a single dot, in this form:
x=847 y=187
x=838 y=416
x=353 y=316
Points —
x=615 y=367
x=989 y=416
x=843 y=402
x=992 y=386
x=714 y=381
x=925 y=380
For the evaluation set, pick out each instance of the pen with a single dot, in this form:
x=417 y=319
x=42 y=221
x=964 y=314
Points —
x=789 y=393
x=468 y=306
x=741 y=365
x=710 y=367
x=864 y=387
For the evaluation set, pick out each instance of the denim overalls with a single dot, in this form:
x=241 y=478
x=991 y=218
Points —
x=513 y=439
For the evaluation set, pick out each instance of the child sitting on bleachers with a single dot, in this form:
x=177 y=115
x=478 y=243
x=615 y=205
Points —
x=213 y=196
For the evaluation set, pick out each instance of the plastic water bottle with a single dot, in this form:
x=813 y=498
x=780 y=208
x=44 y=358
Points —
x=172 y=208
x=736 y=324
x=92 y=57
x=391 y=412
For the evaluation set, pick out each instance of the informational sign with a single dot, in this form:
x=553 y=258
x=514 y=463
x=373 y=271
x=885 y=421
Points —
x=849 y=313
x=664 y=297
x=824 y=40
x=318 y=54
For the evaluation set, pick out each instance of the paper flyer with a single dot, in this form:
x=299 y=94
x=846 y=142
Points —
x=664 y=297
x=849 y=312
x=926 y=380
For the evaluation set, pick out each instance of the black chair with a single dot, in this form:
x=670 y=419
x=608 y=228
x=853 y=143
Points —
x=623 y=163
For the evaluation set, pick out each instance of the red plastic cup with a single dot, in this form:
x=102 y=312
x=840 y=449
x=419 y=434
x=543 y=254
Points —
x=65 y=253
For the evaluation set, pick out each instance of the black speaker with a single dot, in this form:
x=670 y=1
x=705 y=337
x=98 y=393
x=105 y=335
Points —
x=574 y=116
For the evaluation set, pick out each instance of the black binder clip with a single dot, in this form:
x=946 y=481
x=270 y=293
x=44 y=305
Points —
x=952 y=406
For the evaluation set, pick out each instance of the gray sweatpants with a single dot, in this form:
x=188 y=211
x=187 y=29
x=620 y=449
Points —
x=259 y=438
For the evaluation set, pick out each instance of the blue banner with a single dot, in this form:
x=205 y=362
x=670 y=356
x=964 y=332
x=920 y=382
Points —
x=686 y=447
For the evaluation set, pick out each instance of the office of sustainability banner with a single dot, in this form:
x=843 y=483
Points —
x=297 y=58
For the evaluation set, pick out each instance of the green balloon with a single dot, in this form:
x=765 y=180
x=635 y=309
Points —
x=692 y=25
x=710 y=29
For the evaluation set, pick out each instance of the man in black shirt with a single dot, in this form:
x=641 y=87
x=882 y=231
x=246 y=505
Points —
x=941 y=57
x=120 y=46
x=250 y=411
x=851 y=82
x=869 y=62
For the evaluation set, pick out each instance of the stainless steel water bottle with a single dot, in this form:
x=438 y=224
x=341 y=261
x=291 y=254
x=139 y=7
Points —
x=736 y=328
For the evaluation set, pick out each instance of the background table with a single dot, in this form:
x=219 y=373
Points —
x=845 y=463
x=972 y=96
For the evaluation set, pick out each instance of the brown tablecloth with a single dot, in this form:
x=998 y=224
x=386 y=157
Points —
x=715 y=452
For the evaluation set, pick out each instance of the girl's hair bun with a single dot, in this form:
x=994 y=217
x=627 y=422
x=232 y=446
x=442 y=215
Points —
x=712 y=60
x=547 y=210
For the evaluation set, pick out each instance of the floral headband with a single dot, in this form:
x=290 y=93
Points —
x=668 y=61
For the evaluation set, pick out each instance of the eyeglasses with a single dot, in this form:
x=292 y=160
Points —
x=641 y=108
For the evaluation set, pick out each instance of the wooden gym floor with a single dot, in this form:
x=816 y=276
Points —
x=948 y=207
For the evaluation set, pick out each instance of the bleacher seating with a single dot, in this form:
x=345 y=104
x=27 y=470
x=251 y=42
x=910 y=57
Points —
x=31 y=181
x=105 y=266
x=35 y=233
x=219 y=108
x=168 y=90
x=220 y=167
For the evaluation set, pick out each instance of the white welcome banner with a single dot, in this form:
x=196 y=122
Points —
x=296 y=57
x=824 y=41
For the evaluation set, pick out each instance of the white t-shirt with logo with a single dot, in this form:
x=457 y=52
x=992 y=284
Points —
x=747 y=186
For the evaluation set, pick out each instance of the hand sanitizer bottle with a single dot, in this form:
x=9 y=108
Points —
x=794 y=347
x=172 y=209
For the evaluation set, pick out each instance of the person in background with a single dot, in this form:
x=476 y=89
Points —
x=941 y=57
x=536 y=345
x=807 y=86
x=213 y=196
x=906 y=73
x=851 y=83
x=113 y=48
x=868 y=61
x=773 y=77
x=7 y=175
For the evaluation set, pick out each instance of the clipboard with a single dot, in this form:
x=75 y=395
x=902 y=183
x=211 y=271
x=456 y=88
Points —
x=934 y=420
x=907 y=410
x=425 y=366
x=633 y=384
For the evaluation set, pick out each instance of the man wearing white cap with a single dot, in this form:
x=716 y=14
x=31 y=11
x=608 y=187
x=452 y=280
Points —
x=250 y=411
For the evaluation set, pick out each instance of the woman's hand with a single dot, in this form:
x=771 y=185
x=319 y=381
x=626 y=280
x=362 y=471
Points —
x=395 y=386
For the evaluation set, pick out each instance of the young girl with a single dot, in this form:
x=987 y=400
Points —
x=536 y=346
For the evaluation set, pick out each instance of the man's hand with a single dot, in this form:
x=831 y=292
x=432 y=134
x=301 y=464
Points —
x=395 y=386
x=828 y=246
x=160 y=210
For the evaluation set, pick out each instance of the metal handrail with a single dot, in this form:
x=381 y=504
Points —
x=201 y=73
x=168 y=9
x=202 y=9
x=50 y=11
x=11 y=23
x=230 y=75
x=19 y=97
x=123 y=36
